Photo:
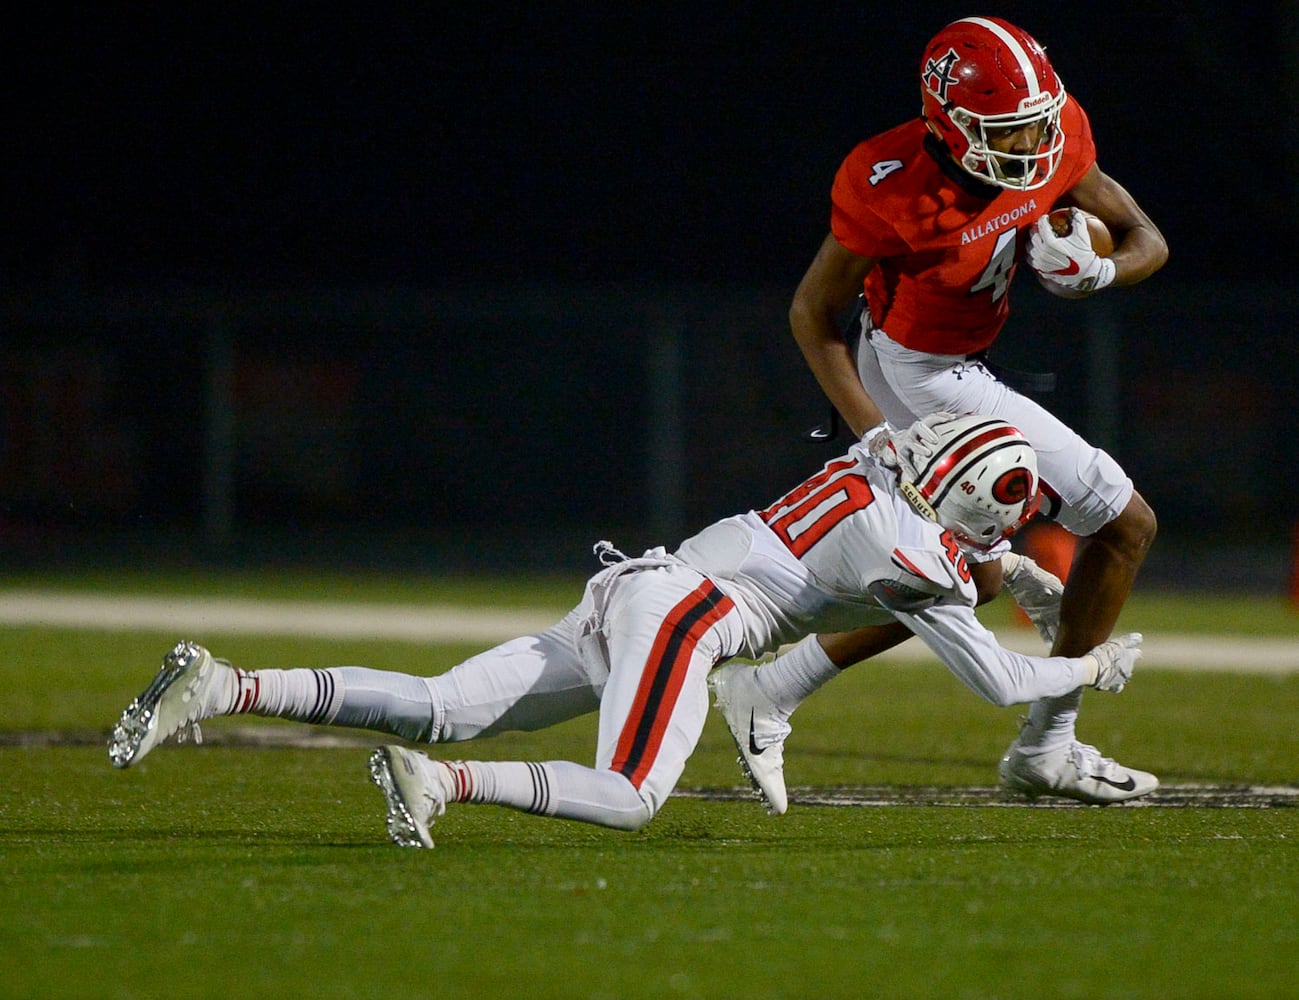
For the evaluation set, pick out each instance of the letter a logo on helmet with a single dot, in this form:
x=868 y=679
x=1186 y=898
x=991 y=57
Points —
x=937 y=75
x=980 y=480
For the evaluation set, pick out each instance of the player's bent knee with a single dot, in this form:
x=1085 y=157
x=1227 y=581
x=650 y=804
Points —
x=622 y=805
x=1134 y=530
x=1149 y=523
x=637 y=817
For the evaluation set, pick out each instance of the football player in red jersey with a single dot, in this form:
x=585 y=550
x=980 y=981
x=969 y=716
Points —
x=931 y=220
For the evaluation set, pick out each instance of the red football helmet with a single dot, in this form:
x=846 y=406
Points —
x=981 y=74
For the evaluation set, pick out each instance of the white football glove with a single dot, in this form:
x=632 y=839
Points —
x=1036 y=591
x=1068 y=263
x=905 y=450
x=1114 y=661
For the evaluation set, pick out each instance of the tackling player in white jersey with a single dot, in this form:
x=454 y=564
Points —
x=875 y=536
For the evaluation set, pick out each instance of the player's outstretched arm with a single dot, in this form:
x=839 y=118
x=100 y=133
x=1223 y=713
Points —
x=1004 y=677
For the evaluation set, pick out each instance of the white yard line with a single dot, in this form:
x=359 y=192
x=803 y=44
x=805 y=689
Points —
x=197 y=618
x=201 y=616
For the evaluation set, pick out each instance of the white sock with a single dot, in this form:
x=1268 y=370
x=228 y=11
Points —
x=382 y=700
x=793 y=675
x=1051 y=722
x=555 y=788
x=305 y=695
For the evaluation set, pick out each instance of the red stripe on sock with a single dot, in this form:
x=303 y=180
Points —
x=249 y=693
x=462 y=781
x=247 y=686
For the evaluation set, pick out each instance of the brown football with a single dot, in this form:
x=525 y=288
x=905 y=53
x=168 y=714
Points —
x=1102 y=241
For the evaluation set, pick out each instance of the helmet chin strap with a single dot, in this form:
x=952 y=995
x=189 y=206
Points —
x=912 y=492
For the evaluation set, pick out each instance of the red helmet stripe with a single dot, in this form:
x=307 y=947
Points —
x=958 y=453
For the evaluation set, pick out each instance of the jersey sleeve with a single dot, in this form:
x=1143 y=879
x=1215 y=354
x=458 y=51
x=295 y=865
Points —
x=854 y=218
x=973 y=654
x=915 y=579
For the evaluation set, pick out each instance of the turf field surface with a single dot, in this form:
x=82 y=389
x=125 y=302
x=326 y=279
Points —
x=237 y=869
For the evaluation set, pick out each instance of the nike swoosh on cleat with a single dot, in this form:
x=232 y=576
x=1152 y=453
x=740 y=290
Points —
x=753 y=747
x=1073 y=268
x=1122 y=786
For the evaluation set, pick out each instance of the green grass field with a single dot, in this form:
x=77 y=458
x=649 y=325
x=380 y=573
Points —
x=232 y=870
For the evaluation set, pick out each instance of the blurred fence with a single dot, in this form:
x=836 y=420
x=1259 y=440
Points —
x=496 y=426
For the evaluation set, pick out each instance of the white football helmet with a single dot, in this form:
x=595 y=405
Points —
x=975 y=475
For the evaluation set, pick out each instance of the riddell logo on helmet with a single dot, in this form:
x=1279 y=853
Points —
x=1030 y=103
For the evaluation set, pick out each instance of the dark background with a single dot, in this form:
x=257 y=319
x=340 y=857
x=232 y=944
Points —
x=427 y=249
x=272 y=148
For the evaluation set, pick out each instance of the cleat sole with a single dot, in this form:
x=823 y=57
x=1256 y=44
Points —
x=402 y=828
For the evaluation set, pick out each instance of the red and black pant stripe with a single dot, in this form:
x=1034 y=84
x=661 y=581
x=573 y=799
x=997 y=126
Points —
x=663 y=676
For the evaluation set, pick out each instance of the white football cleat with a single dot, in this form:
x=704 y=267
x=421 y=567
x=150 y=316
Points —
x=415 y=793
x=190 y=686
x=1076 y=771
x=759 y=731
